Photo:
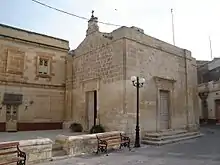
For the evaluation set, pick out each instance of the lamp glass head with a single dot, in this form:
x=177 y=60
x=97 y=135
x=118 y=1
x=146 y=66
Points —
x=142 y=80
x=133 y=78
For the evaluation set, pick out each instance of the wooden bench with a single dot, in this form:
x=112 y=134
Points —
x=105 y=142
x=10 y=153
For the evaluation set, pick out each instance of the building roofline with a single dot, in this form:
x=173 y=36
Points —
x=208 y=62
x=31 y=32
x=32 y=42
x=147 y=35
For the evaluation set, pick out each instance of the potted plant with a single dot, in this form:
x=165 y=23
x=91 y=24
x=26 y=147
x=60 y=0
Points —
x=97 y=129
x=76 y=127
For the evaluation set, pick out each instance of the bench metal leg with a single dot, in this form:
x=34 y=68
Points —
x=102 y=149
x=21 y=154
x=21 y=162
x=106 y=149
x=120 y=146
x=98 y=149
x=129 y=146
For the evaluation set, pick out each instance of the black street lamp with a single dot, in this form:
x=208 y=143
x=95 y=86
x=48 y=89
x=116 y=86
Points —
x=138 y=83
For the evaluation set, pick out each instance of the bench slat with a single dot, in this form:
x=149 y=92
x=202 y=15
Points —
x=109 y=138
x=13 y=160
x=8 y=153
x=8 y=145
x=112 y=144
x=118 y=142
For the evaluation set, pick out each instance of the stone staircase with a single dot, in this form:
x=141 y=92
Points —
x=168 y=136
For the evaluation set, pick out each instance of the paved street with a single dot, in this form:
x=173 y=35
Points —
x=202 y=151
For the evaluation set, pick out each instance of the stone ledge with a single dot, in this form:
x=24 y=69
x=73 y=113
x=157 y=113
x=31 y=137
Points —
x=32 y=142
x=37 y=150
x=82 y=144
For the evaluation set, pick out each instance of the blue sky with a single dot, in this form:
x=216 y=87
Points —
x=194 y=20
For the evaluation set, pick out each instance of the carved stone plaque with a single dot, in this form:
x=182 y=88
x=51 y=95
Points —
x=3 y=59
x=15 y=61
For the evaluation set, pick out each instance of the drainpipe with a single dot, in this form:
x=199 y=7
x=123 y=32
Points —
x=186 y=89
x=71 y=105
x=65 y=92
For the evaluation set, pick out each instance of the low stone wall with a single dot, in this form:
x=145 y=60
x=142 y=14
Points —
x=37 y=150
x=82 y=144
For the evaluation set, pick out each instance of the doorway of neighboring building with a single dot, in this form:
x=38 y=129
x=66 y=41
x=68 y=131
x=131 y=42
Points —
x=217 y=110
x=205 y=113
x=91 y=108
x=11 y=117
x=164 y=109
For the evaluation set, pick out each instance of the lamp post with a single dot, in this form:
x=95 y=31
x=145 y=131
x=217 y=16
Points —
x=138 y=83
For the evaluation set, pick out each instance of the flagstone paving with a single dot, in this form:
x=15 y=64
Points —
x=201 y=151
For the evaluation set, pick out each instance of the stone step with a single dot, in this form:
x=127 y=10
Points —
x=165 y=133
x=167 y=137
x=57 y=150
x=169 y=141
x=56 y=147
x=58 y=153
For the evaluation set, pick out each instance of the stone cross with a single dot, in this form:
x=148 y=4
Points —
x=92 y=13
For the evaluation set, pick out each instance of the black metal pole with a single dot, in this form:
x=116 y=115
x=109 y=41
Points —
x=137 y=138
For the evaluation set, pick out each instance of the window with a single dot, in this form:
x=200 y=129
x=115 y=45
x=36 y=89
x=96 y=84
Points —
x=43 y=66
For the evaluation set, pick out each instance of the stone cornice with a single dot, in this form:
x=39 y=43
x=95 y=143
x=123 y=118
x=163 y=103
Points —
x=158 y=78
x=33 y=43
x=32 y=85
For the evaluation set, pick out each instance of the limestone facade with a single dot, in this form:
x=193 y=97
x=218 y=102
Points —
x=104 y=63
x=32 y=80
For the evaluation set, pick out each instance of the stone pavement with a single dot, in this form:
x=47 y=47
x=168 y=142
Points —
x=202 y=151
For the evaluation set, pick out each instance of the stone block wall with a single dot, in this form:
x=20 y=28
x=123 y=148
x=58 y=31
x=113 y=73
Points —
x=37 y=150
x=19 y=63
x=101 y=69
x=47 y=107
x=149 y=58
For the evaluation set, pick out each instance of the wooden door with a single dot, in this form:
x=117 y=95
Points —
x=164 y=110
x=11 y=117
x=90 y=108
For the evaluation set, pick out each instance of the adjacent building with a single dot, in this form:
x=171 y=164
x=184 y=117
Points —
x=32 y=80
x=209 y=90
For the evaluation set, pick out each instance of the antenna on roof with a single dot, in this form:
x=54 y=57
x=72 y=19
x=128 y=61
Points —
x=173 y=27
x=210 y=46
